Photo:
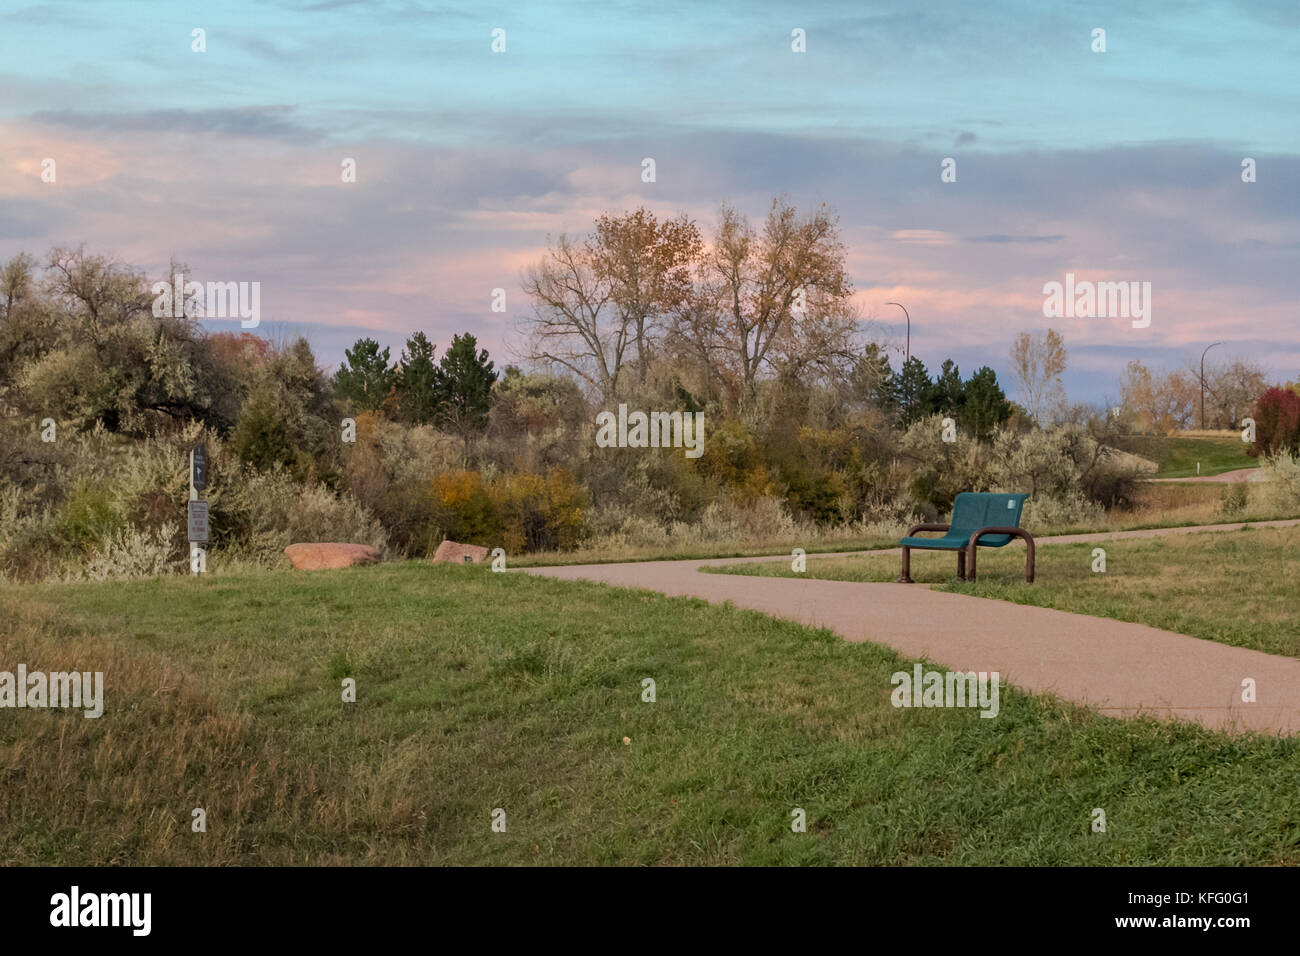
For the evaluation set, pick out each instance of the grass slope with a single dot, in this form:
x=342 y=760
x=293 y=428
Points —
x=480 y=690
x=1177 y=455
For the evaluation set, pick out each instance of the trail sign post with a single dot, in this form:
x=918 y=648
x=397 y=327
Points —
x=196 y=512
x=198 y=522
x=198 y=468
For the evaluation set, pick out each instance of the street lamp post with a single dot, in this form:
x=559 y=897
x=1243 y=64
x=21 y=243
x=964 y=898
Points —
x=908 y=354
x=1207 y=348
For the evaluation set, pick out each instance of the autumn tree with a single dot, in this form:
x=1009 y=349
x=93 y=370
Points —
x=1231 y=389
x=1158 y=402
x=774 y=299
x=648 y=265
x=1038 y=362
x=601 y=305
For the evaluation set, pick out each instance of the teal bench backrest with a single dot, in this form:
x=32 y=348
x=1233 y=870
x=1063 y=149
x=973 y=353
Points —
x=973 y=510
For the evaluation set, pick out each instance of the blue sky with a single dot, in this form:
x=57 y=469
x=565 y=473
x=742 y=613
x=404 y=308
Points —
x=1120 y=165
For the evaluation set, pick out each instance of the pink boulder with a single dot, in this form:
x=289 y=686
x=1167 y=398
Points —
x=450 y=552
x=317 y=555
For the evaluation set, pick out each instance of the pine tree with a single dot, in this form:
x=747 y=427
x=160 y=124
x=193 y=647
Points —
x=365 y=376
x=418 y=387
x=465 y=377
x=914 y=391
x=986 y=406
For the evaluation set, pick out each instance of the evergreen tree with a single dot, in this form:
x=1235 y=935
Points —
x=365 y=376
x=418 y=386
x=949 y=393
x=986 y=406
x=914 y=391
x=465 y=377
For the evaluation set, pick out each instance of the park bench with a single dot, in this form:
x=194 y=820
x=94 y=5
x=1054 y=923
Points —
x=979 y=519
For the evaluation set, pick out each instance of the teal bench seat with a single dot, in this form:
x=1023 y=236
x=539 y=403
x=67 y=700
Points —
x=979 y=519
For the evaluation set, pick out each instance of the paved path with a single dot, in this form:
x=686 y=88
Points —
x=1115 y=667
x=1224 y=478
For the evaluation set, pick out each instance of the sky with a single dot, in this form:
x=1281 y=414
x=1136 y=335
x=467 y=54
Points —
x=1117 y=166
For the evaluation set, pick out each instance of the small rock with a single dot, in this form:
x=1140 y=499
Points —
x=449 y=552
x=321 y=555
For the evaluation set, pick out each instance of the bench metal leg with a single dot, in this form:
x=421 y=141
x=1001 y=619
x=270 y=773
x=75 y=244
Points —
x=1020 y=533
x=961 y=565
x=906 y=576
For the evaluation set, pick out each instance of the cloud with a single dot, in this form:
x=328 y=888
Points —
x=1002 y=238
x=270 y=122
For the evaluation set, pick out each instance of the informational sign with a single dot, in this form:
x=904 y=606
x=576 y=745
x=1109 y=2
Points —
x=199 y=468
x=198 y=515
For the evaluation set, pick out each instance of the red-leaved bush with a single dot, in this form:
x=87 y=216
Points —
x=1277 y=423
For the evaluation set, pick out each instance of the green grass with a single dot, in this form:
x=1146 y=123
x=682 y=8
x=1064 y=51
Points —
x=1235 y=587
x=480 y=690
x=1177 y=455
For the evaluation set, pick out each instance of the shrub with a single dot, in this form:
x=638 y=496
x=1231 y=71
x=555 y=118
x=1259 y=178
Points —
x=464 y=509
x=88 y=516
x=261 y=513
x=1061 y=510
x=132 y=553
x=1232 y=500
x=540 y=512
x=1282 y=489
x=1277 y=423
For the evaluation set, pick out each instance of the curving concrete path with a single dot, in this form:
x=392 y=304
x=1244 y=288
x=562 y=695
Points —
x=1118 y=668
x=1253 y=475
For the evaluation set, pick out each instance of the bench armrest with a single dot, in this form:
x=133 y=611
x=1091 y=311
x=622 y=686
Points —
x=926 y=527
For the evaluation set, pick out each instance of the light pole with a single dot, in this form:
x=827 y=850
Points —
x=908 y=354
x=1207 y=348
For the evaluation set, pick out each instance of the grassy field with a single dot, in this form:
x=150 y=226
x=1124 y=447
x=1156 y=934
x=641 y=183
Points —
x=480 y=690
x=1177 y=454
x=1236 y=587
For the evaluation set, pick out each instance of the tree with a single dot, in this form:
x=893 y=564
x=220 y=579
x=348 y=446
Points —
x=1038 y=362
x=1277 y=423
x=775 y=300
x=27 y=327
x=648 y=266
x=261 y=435
x=986 y=406
x=603 y=303
x=872 y=380
x=465 y=386
x=417 y=382
x=572 y=325
x=914 y=390
x=1231 y=389
x=1156 y=402
x=103 y=356
x=948 y=394
x=365 y=376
